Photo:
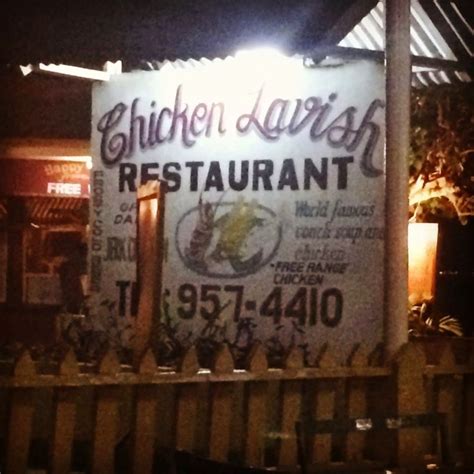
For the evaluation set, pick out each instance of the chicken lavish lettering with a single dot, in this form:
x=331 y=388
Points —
x=282 y=116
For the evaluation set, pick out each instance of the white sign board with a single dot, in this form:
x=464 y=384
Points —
x=275 y=204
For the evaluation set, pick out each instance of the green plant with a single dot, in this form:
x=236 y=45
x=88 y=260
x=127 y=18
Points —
x=423 y=321
x=441 y=159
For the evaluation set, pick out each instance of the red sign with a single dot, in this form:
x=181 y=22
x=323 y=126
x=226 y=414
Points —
x=20 y=177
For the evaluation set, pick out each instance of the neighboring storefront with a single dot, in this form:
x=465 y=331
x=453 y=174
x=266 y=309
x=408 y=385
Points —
x=43 y=233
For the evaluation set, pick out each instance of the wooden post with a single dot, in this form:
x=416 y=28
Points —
x=398 y=77
x=150 y=210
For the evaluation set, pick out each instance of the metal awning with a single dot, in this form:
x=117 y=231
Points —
x=51 y=211
x=57 y=211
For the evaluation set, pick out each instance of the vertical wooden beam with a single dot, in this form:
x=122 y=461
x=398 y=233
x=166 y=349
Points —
x=150 y=212
x=398 y=72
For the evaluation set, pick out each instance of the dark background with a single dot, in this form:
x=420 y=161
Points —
x=89 y=33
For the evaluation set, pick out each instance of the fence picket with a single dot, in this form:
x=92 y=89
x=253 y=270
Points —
x=291 y=408
x=186 y=417
x=144 y=428
x=21 y=415
x=325 y=402
x=221 y=408
x=449 y=396
x=187 y=404
x=106 y=419
x=412 y=388
x=414 y=443
x=190 y=364
x=64 y=413
x=357 y=406
x=256 y=412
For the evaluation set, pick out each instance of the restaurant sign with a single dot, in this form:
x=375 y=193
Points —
x=274 y=215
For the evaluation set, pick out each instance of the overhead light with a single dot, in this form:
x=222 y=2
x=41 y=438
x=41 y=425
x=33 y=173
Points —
x=262 y=57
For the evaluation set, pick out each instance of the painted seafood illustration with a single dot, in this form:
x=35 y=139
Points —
x=227 y=238
x=202 y=234
x=235 y=227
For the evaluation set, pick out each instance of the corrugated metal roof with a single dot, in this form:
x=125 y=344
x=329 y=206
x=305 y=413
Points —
x=439 y=30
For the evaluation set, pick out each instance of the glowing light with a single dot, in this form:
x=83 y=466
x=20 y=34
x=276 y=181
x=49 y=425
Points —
x=422 y=246
x=261 y=57
x=246 y=73
x=267 y=64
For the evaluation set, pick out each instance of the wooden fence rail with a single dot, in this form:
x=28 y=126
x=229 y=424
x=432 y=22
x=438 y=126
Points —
x=115 y=418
